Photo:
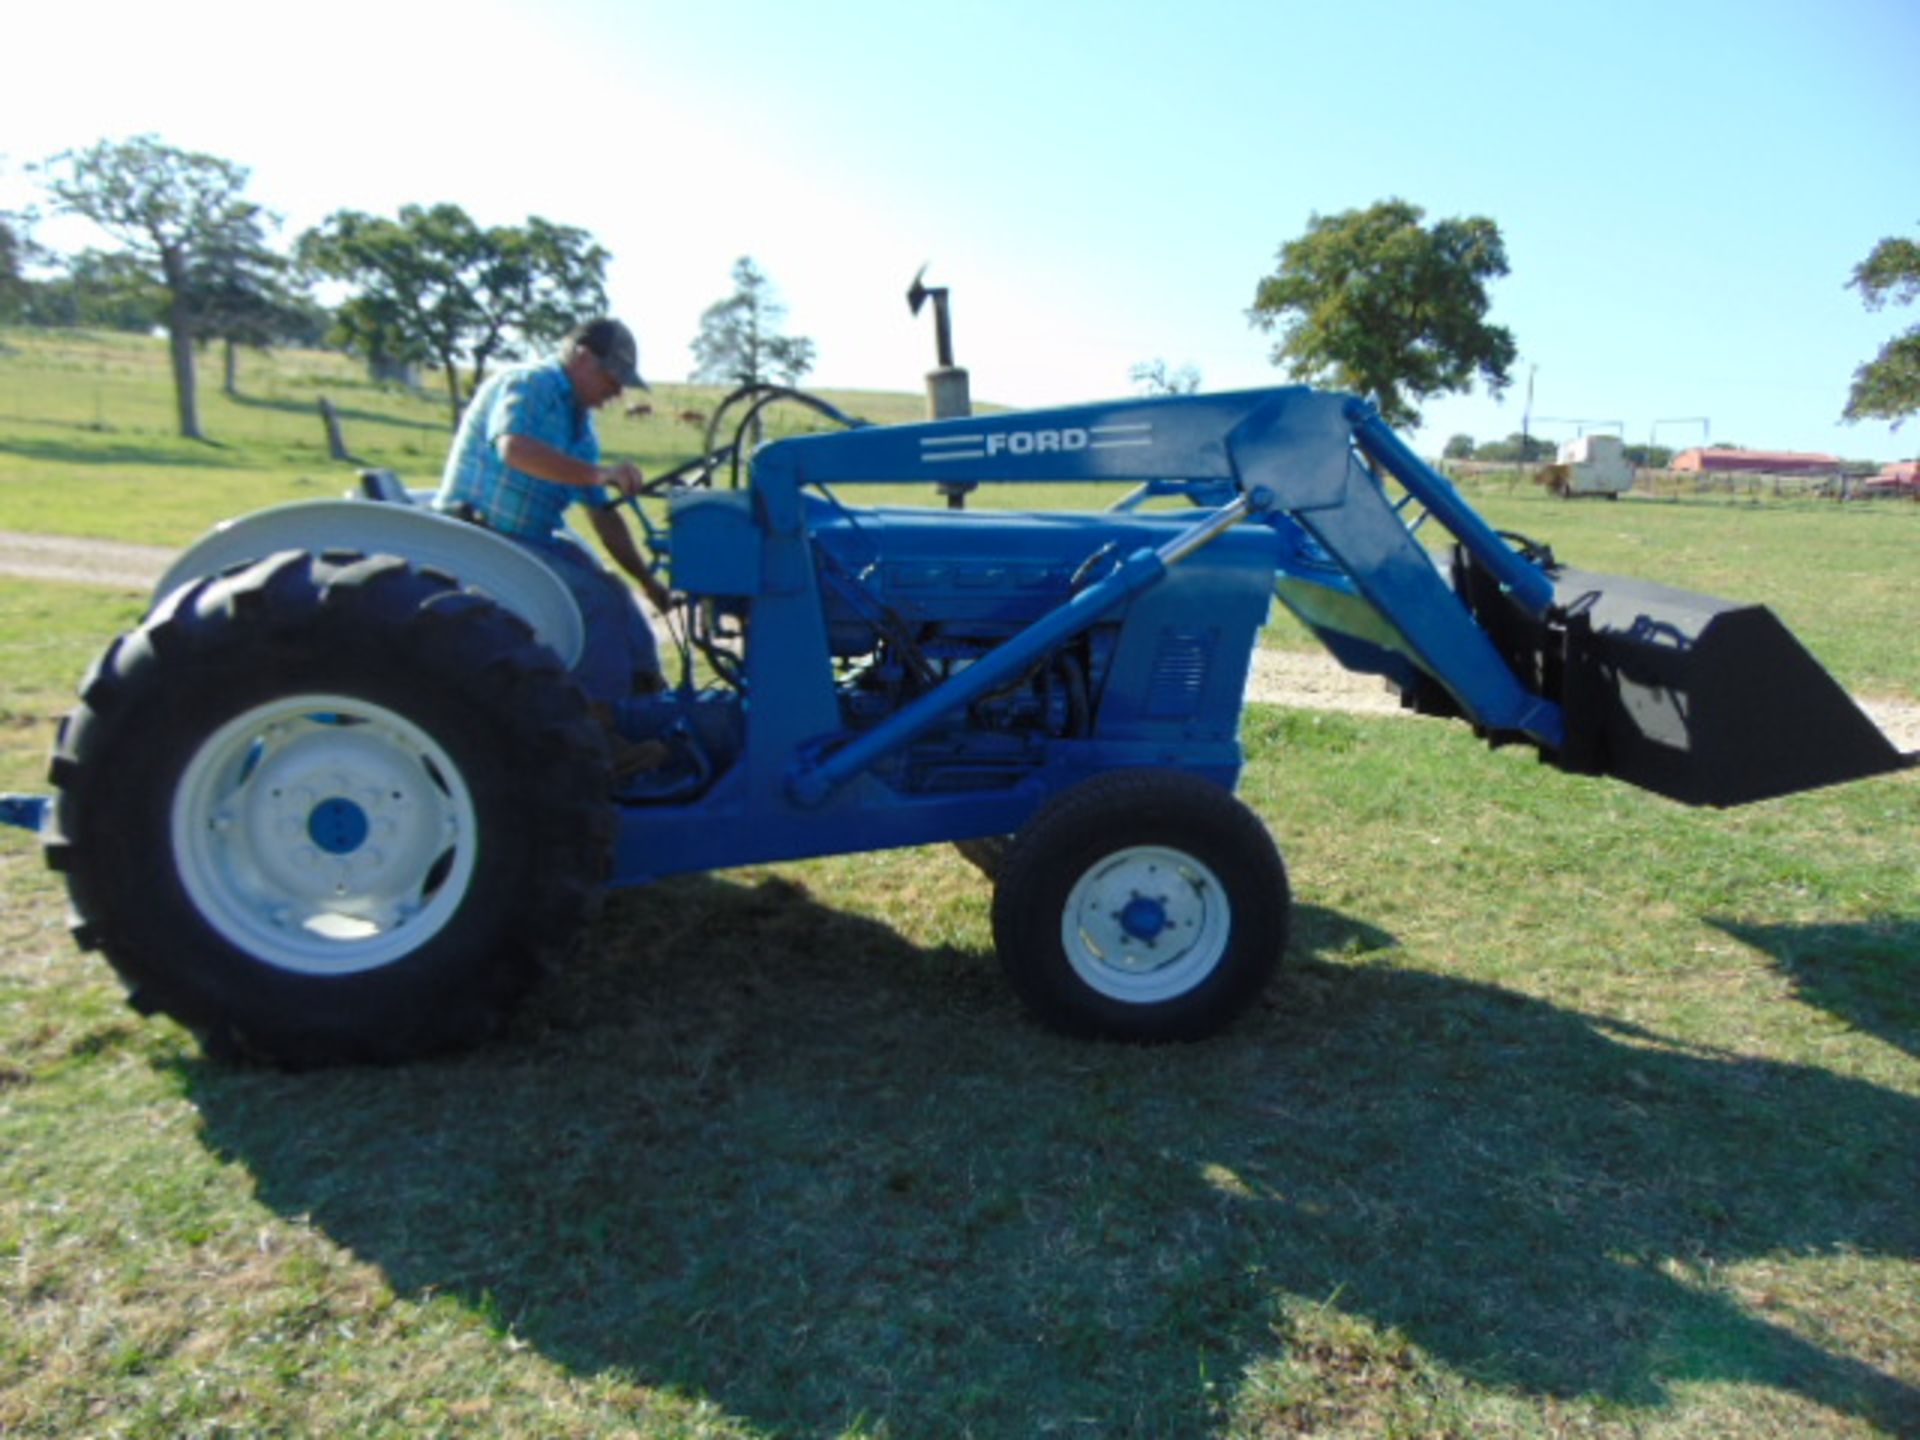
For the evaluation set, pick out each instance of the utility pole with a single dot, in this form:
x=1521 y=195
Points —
x=1526 y=417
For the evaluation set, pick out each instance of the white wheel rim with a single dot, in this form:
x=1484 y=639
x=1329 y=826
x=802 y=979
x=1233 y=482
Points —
x=323 y=834
x=1146 y=924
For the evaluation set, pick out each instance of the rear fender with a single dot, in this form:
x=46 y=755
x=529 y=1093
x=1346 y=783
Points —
x=477 y=558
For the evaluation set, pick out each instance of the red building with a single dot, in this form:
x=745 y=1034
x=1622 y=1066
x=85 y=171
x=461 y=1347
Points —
x=1765 y=462
x=1901 y=477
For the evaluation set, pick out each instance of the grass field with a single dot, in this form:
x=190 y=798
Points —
x=1574 y=1113
x=87 y=444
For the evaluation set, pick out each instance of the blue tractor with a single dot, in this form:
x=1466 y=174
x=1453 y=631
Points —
x=336 y=797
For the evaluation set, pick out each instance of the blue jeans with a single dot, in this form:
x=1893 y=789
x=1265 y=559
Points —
x=619 y=643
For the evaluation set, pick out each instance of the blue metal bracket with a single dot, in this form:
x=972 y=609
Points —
x=1527 y=582
x=29 y=812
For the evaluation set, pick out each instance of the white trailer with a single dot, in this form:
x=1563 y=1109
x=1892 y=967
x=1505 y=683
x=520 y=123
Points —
x=1590 y=465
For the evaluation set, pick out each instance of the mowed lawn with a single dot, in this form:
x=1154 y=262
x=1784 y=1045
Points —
x=1573 y=1113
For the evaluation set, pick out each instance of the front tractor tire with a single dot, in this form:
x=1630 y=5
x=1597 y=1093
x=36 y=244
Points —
x=329 y=809
x=1143 y=905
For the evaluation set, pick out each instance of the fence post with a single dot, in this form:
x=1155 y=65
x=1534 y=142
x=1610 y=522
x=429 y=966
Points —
x=336 y=446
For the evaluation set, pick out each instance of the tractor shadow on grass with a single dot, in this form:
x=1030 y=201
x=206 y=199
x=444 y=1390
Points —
x=772 y=1155
x=1867 y=975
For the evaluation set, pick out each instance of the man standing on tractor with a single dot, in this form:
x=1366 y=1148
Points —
x=526 y=450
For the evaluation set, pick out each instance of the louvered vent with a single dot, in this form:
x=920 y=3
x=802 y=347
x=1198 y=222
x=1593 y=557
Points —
x=1179 y=673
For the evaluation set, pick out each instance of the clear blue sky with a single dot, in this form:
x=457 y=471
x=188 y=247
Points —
x=1684 y=188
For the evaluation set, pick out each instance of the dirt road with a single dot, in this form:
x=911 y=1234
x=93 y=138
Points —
x=94 y=562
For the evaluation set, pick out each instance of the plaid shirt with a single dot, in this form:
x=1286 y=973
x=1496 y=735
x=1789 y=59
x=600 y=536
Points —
x=536 y=401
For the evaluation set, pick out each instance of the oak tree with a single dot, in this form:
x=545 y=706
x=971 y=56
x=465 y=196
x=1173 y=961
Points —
x=1887 y=387
x=250 y=298
x=168 y=208
x=16 y=247
x=432 y=285
x=1377 y=302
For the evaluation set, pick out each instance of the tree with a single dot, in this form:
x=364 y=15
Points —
x=107 y=289
x=168 y=207
x=1373 y=301
x=739 y=342
x=434 y=286
x=413 y=303
x=1459 y=447
x=1154 y=378
x=17 y=254
x=537 y=283
x=1887 y=387
x=1517 y=449
x=247 y=297
x=16 y=251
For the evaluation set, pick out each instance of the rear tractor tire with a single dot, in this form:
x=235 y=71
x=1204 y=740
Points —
x=1145 y=905
x=328 y=809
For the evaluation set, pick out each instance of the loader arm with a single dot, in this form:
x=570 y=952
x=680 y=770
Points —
x=1699 y=699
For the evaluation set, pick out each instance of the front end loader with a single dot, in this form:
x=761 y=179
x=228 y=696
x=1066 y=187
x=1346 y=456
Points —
x=336 y=797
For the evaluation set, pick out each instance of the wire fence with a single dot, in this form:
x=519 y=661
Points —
x=1730 y=486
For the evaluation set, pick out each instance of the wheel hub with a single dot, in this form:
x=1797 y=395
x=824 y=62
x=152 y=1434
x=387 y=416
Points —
x=1146 y=923
x=323 y=834
x=1144 y=917
x=338 y=826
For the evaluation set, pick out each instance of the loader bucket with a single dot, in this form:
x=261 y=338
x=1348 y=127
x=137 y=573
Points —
x=1706 y=701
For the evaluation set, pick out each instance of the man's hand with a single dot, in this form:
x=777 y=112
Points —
x=624 y=477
